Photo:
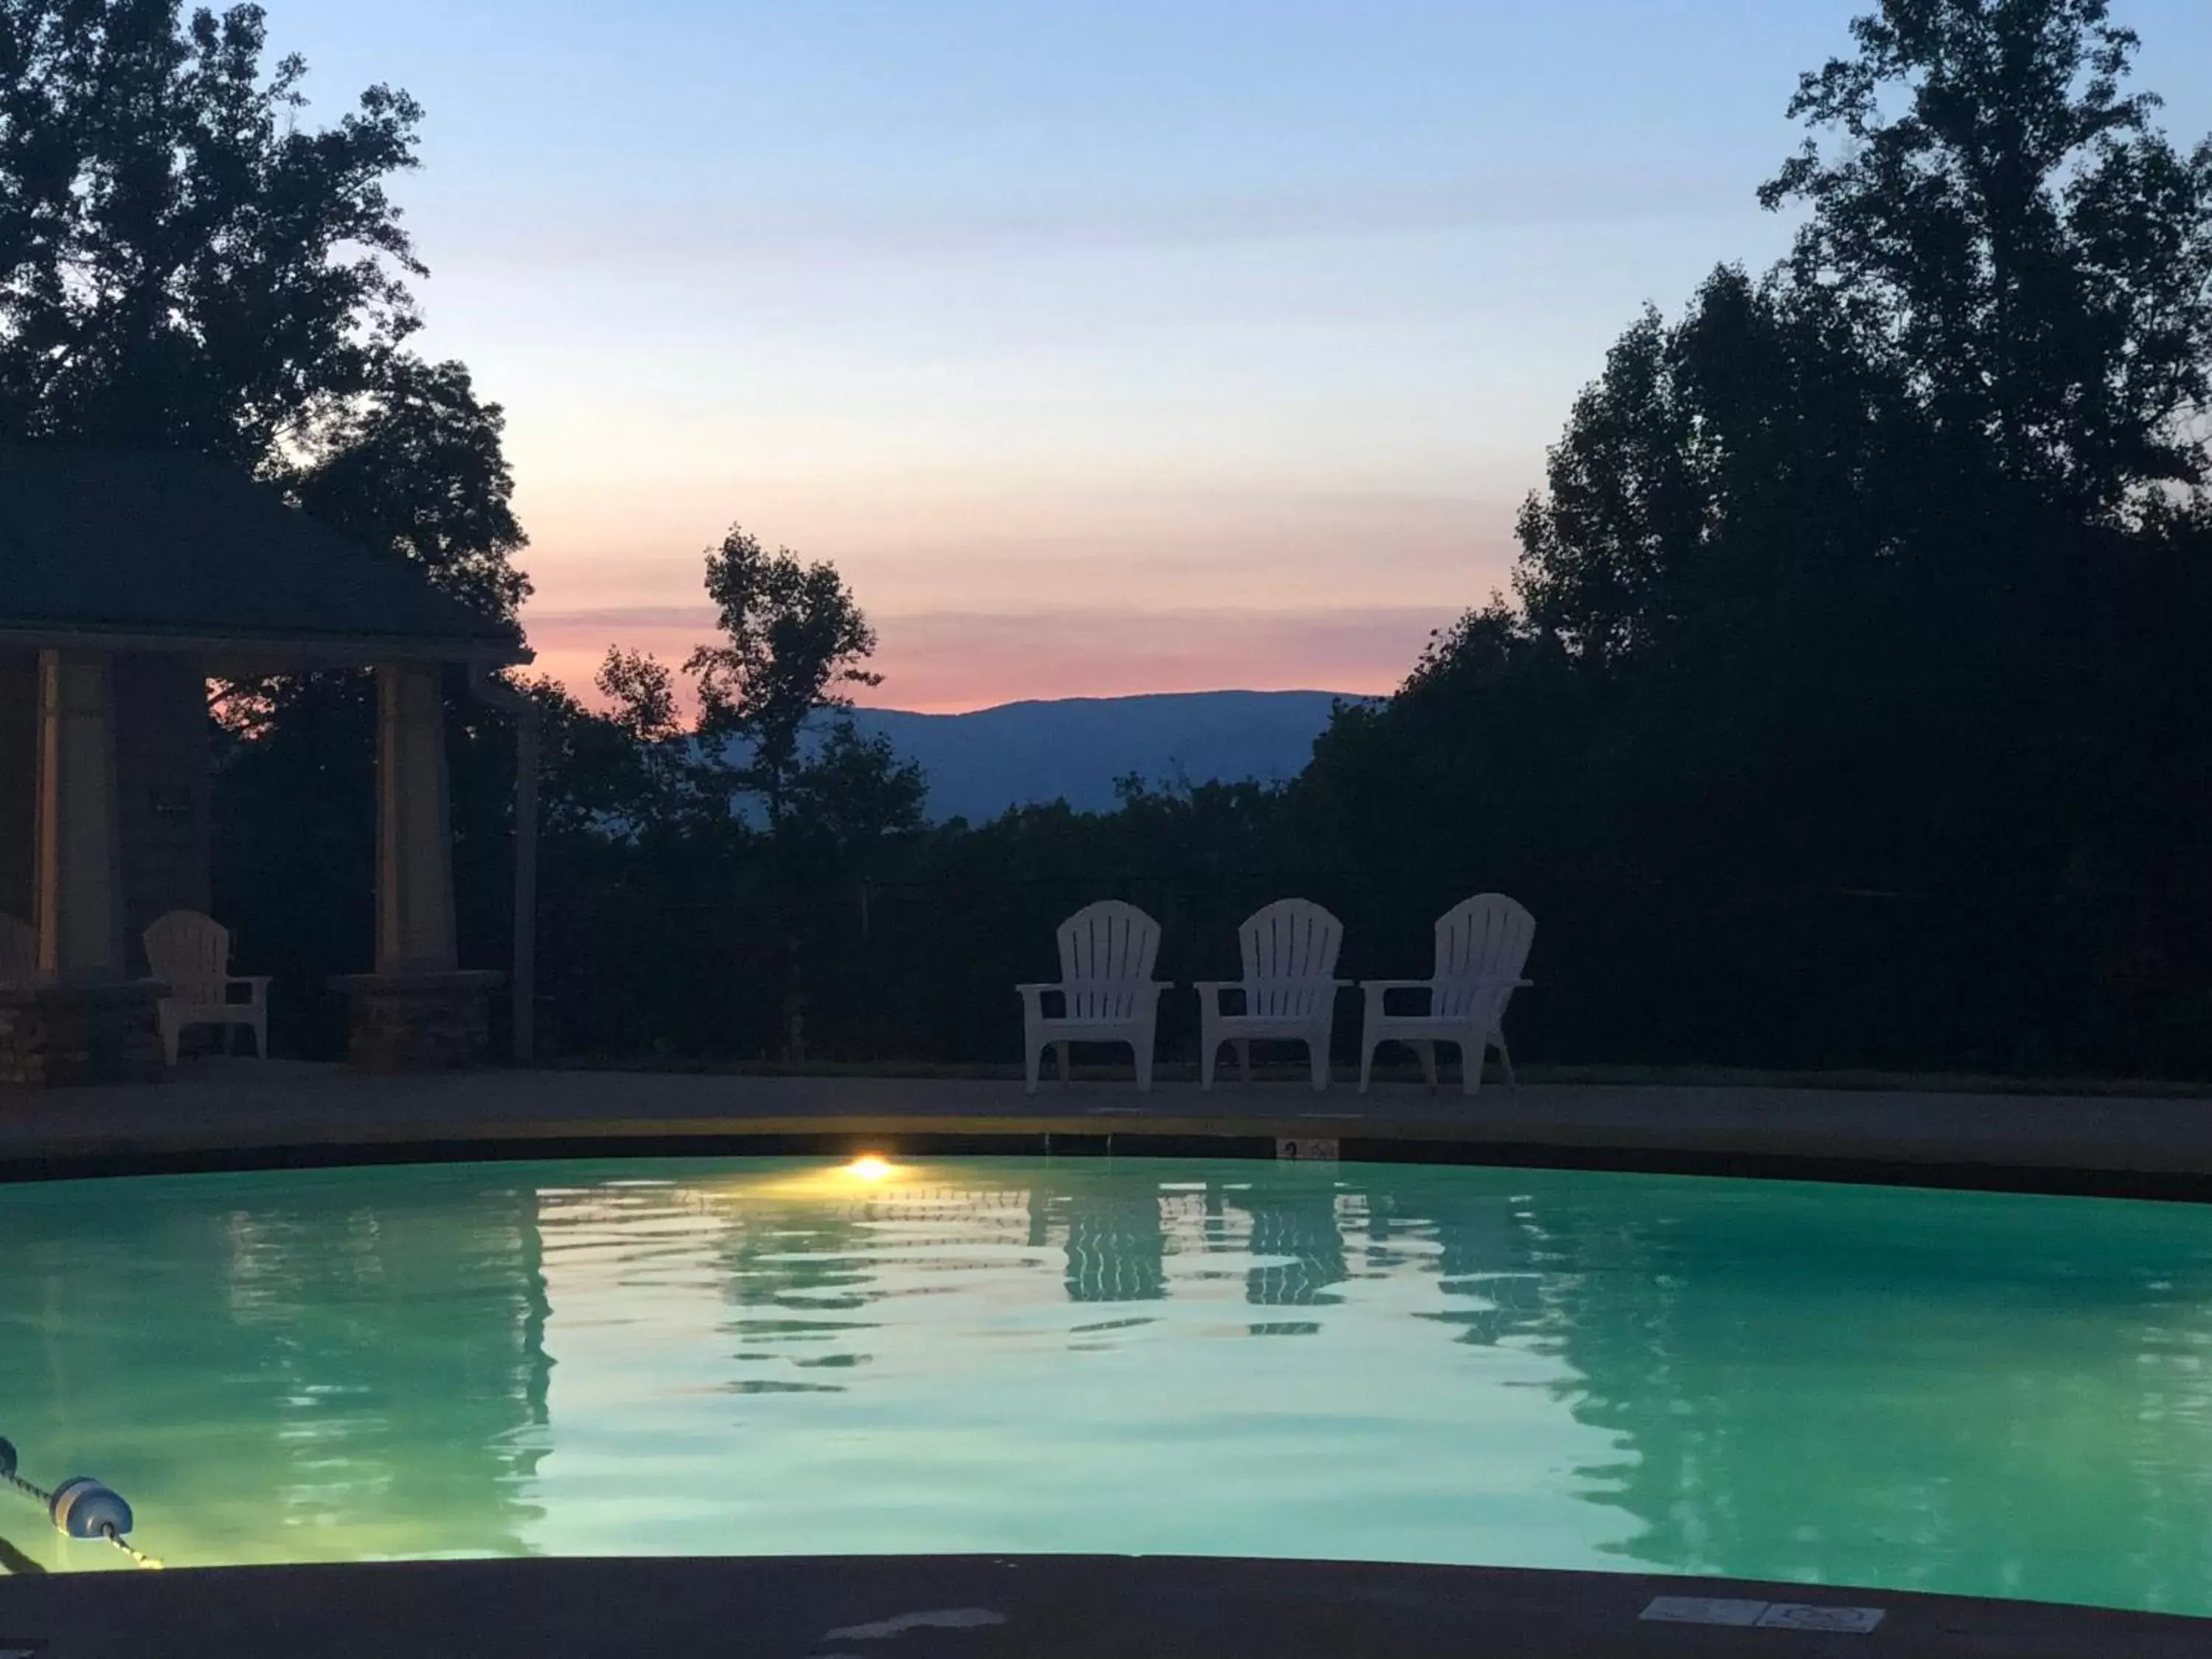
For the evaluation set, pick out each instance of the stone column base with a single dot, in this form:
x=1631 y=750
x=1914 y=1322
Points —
x=53 y=1036
x=418 y=1022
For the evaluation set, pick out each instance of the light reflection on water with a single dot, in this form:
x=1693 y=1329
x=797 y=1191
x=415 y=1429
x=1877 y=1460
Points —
x=1975 y=1393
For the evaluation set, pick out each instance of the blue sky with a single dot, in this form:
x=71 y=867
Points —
x=1105 y=348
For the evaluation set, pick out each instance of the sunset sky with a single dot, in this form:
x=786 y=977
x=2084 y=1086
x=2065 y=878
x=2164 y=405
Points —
x=1148 y=345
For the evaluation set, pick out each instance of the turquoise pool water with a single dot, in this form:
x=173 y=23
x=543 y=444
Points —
x=1993 y=1394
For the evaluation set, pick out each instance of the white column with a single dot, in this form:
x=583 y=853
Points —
x=77 y=892
x=414 y=834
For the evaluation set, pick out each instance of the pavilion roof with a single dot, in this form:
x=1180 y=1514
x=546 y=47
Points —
x=143 y=548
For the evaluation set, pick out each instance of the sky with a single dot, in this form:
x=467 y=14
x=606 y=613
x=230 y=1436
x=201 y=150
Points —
x=1131 y=345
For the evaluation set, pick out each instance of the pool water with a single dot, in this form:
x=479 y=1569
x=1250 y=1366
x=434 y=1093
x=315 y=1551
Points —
x=1985 y=1394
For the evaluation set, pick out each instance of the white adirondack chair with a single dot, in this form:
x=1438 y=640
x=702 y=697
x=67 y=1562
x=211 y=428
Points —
x=1106 y=986
x=1481 y=946
x=19 y=949
x=1290 y=996
x=191 y=953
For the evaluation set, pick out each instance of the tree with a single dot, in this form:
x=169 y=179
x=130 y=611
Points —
x=415 y=466
x=663 y=779
x=182 y=264
x=2004 y=225
x=795 y=637
x=1857 y=630
x=643 y=695
x=853 y=791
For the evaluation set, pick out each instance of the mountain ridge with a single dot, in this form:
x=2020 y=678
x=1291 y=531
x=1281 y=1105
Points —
x=1038 y=749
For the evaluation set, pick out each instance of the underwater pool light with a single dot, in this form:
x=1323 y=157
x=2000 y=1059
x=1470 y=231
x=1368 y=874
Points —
x=869 y=1166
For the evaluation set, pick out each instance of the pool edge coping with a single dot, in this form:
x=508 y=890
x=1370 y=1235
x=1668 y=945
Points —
x=1163 y=1605
x=2086 y=1170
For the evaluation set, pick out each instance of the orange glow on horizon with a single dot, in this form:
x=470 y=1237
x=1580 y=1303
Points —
x=955 y=664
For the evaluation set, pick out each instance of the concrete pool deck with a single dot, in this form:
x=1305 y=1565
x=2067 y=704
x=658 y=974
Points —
x=1019 y=1607
x=242 y=1113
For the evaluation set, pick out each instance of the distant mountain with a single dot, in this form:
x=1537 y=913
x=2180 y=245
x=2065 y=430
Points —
x=1022 y=753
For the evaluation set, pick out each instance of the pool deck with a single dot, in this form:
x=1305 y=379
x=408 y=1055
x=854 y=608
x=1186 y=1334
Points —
x=241 y=1112
x=1021 y=1607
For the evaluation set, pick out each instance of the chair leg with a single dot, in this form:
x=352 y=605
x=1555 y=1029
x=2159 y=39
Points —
x=1470 y=1065
x=1244 y=1061
x=1506 y=1060
x=167 y=1021
x=1143 y=1046
x=1317 y=1060
x=1032 y=1063
x=1064 y=1051
x=1426 y=1053
x=1209 y=1050
x=1367 y=1047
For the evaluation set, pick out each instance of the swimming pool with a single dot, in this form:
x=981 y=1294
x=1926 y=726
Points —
x=1982 y=1394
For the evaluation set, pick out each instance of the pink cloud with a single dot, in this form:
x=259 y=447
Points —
x=946 y=661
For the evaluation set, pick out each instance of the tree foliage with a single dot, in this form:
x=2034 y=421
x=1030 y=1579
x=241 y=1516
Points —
x=181 y=262
x=1841 y=708
x=416 y=466
x=1999 y=225
x=793 y=638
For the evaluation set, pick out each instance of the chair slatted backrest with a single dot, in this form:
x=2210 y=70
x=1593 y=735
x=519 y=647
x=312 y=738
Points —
x=191 y=953
x=19 y=949
x=1292 y=940
x=1113 y=944
x=1481 y=943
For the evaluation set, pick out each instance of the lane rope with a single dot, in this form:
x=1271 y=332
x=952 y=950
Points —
x=81 y=1507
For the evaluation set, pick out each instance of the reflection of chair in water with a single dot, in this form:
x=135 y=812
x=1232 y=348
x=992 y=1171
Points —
x=1116 y=1251
x=1301 y=1226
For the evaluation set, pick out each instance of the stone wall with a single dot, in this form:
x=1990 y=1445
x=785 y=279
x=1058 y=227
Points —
x=58 y=1035
x=418 y=1022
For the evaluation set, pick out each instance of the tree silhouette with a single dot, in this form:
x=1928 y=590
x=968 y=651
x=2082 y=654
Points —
x=2014 y=242
x=1843 y=685
x=181 y=263
x=415 y=466
x=794 y=637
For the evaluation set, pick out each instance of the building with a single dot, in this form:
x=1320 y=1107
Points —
x=127 y=581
